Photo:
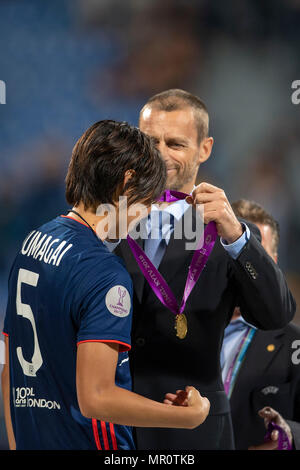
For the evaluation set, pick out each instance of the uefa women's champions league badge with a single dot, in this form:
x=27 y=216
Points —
x=122 y=293
x=118 y=301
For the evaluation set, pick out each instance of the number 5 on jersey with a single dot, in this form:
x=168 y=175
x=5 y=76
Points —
x=29 y=368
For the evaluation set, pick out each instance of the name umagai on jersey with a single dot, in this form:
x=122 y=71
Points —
x=44 y=247
x=65 y=289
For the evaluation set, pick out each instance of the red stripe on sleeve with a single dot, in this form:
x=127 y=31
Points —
x=104 y=435
x=5 y=334
x=113 y=436
x=96 y=434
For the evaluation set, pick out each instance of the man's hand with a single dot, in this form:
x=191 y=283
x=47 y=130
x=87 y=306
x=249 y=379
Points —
x=268 y=415
x=217 y=209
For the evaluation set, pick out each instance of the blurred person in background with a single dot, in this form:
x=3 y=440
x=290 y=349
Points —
x=178 y=122
x=259 y=375
x=150 y=32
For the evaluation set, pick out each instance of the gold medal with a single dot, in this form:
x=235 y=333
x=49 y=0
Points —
x=181 y=325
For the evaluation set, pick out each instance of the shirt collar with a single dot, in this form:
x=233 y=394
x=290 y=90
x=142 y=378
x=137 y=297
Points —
x=240 y=319
x=177 y=209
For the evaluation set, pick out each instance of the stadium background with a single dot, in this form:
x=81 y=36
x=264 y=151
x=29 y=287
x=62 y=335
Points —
x=69 y=63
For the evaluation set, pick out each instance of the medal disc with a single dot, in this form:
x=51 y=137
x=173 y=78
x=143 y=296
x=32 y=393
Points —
x=181 y=325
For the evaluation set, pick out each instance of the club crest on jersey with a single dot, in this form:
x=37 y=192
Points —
x=118 y=301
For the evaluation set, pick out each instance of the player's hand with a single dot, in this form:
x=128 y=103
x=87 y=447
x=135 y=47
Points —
x=218 y=210
x=269 y=414
x=197 y=406
x=177 y=399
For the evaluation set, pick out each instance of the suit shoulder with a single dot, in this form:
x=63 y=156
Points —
x=252 y=227
x=293 y=330
x=287 y=333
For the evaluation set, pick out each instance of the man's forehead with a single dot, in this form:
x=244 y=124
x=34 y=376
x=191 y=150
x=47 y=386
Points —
x=146 y=113
x=159 y=121
x=150 y=111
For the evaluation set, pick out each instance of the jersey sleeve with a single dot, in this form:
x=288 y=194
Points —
x=105 y=313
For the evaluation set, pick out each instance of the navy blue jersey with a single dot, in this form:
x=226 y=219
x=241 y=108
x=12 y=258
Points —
x=65 y=287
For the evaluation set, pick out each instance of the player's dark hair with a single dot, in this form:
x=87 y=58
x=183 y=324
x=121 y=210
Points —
x=255 y=213
x=100 y=159
x=175 y=99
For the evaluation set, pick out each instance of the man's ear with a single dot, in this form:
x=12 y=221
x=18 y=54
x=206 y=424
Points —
x=205 y=149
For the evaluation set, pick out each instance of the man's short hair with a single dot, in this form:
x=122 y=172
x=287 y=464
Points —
x=255 y=213
x=176 y=99
x=100 y=159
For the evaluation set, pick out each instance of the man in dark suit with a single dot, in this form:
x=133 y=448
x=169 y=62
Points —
x=238 y=272
x=266 y=386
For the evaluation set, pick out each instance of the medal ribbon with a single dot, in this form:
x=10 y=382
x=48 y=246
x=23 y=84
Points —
x=283 y=440
x=237 y=361
x=200 y=257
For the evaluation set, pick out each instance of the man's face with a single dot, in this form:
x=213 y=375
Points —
x=177 y=140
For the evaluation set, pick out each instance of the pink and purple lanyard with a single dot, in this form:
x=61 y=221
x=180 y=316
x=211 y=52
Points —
x=200 y=257
x=237 y=361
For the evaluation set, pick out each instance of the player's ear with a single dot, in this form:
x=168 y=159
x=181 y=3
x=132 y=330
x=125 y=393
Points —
x=205 y=149
x=128 y=175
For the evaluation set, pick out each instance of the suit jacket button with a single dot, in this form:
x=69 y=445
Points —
x=140 y=341
x=248 y=265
